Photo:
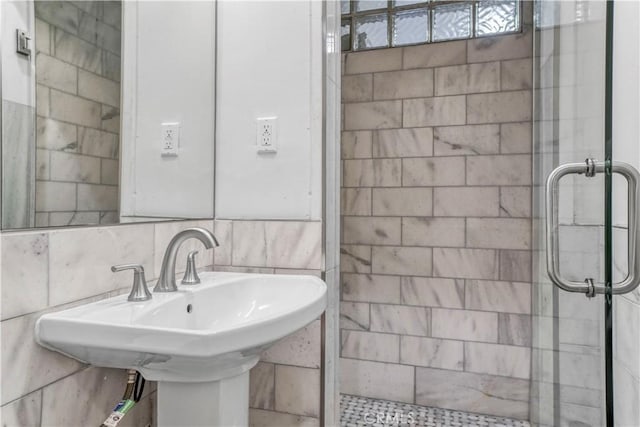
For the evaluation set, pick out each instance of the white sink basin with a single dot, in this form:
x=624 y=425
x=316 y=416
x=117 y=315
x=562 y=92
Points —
x=201 y=333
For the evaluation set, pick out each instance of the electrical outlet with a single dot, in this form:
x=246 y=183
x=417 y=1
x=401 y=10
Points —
x=170 y=139
x=267 y=134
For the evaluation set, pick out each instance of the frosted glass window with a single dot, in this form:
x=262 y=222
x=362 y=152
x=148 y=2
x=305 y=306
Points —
x=372 y=24
x=345 y=35
x=495 y=17
x=410 y=27
x=362 y=5
x=400 y=3
x=345 y=6
x=371 y=32
x=451 y=21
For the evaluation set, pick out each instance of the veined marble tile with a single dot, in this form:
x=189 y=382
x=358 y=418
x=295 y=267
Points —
x=98 y=88
x=109 y=171
x=94 y=197
x=113 y=13
x=298 y=390
x=43 y=165
x=262 y=418
x=76 y=273
x=356 y=201
x=499 y=107
x=464 y=140
x=110 y=119
x=98 y=143
x=499 y=233
x=466 y=201
x=437 y=111
x=377 y=380
x=403 y=84
x=516 y=74
x=356 y=144
x=464 y=325
x=370 y=346
x=61 y=14
x=302 y=348
x=355 y=258
x=25 y=411
x=410 y=261
x=354 y=315
x=432 y=292
x=500 y=47
x=484 y=394
x=262 y=386
x=55 y=196
x=164 y=232
x=42 y=100
x=515 y=202
x=52 y=72
x=283 y=244
x=43 y=36
x=24 y=273
x=505 y=297
x=370 y=288
x=111 y=66
x=59 y=219
x=417 y=142
x=72 y=109
x=74 y=168
x=373 y=115
x=357 y=88
x=98 y=33
x=77 y=51
x=465 y=263
x=497 y=359
x=399 y=319
x=514 y=329
x=470 y=78
x=435 y=54
x=55 y=135
x=418 y=172
x=27 y=366
x=432 y=352
x=433 y=231
x=372 y=173
x=371 y=230
x=515 y=138
x=515 y=265
x=373 y=61
x=402 y=202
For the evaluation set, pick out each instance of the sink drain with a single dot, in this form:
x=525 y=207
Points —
x=189 y=308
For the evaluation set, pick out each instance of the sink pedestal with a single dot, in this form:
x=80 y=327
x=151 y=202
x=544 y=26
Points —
x=208 y=404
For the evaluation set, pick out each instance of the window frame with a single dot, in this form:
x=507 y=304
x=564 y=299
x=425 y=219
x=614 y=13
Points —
x=428 y=5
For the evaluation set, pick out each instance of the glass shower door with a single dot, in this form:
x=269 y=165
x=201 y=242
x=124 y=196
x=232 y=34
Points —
x=585 y=366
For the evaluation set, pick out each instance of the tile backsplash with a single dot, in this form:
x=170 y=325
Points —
x=436 y=216
x=60 y=268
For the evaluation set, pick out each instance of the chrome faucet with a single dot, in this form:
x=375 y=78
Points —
x=167 y=280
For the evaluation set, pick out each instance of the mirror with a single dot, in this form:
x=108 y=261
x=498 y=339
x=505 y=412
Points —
x=84 y=139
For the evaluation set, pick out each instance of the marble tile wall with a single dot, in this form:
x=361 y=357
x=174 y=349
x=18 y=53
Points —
x=285 y=385
x=78 y=101
x=51 y=270
x=436 y=240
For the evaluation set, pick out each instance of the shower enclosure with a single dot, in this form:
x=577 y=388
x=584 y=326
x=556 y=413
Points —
x=586 y=313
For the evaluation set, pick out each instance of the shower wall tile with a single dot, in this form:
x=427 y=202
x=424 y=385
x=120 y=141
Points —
x=262 y=418
x=485 y=394
x=438 y=208
x=403 y=84
x=301 y=348
x=72 y=109
x=370 y=346
x=465 y=325
x=416 y=142
x=370 y=288
x=377 y=380
x=432 y=353
x=56 y=74
x=472 y=78
x=297 y=390
x=373 y=115
x=466 y=140
x=432 y=292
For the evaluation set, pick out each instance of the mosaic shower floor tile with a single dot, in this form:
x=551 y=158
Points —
x=356 y=411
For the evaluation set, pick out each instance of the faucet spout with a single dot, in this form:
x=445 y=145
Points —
x=167 y=280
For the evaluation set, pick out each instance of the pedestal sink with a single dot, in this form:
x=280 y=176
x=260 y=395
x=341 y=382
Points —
x=198 y=343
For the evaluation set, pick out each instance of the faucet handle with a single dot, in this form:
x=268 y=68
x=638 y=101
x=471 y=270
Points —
x=191 y=274
x=139 y=291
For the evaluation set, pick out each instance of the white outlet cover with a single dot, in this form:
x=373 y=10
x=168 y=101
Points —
x=267 y=134
x=170 y=139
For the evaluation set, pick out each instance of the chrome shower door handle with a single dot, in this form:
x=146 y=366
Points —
x=589 y=169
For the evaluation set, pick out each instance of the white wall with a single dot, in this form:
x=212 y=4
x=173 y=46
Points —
x=17 y=70
x=169 y=72
x=269 y=64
